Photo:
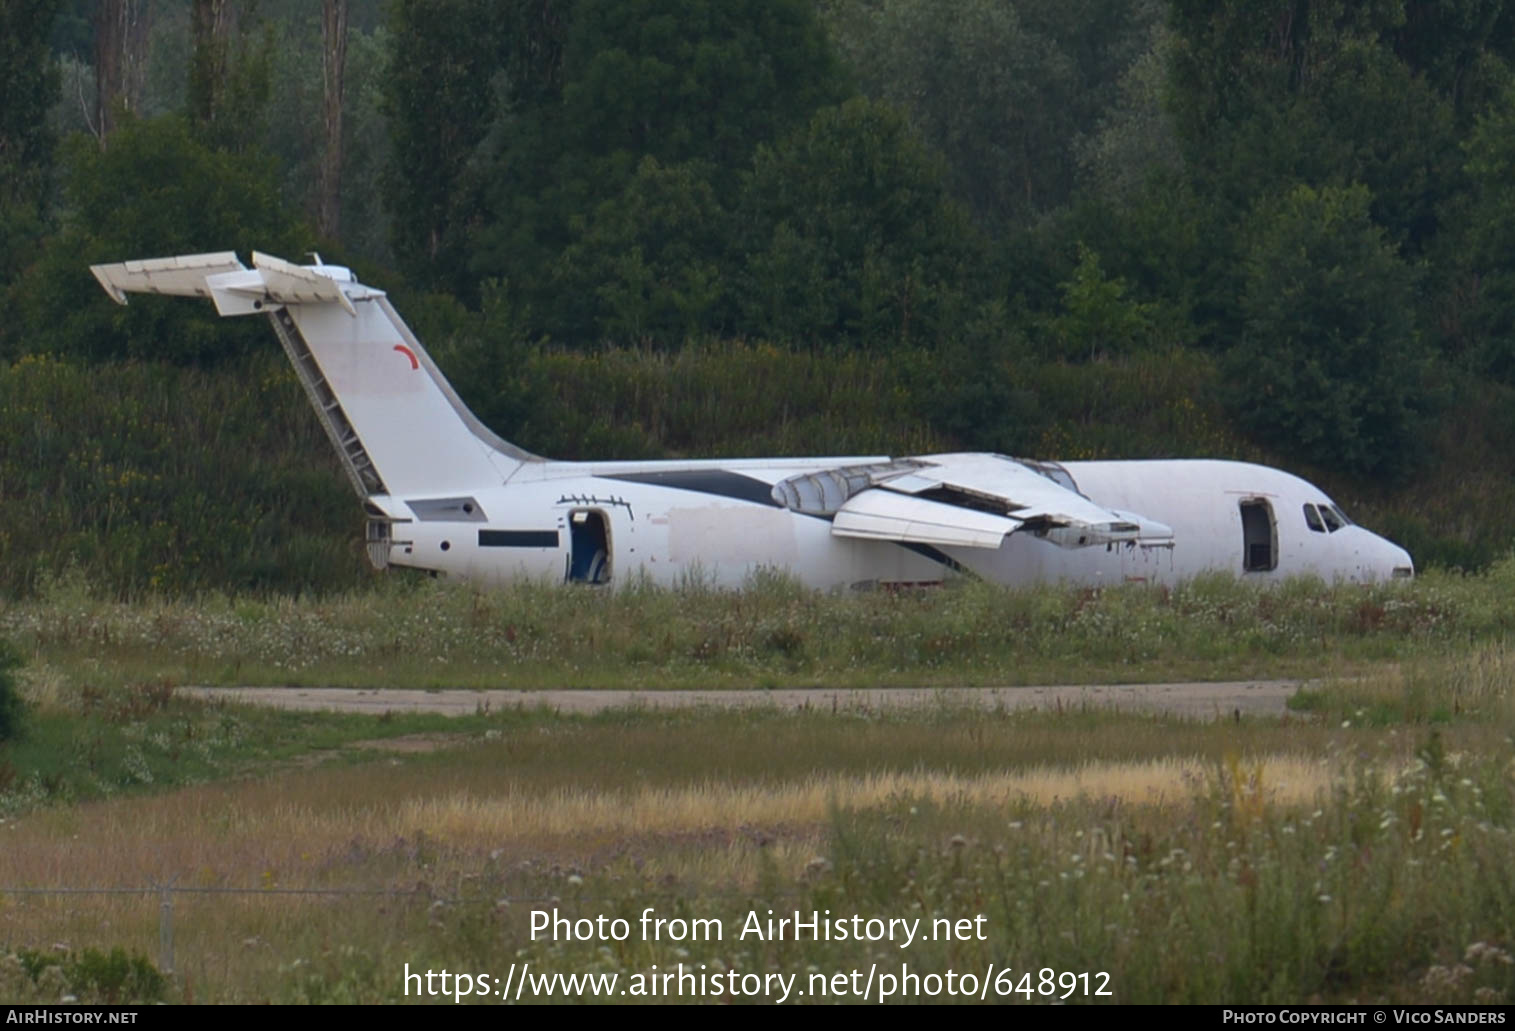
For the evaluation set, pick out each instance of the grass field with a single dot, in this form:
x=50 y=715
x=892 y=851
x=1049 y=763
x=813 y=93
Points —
x=424 y=633
x=1355 y=848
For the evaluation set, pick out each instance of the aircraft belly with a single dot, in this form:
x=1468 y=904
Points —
x=731 y=536
x=1026 y=559
x=729 y=542
x=545 y=564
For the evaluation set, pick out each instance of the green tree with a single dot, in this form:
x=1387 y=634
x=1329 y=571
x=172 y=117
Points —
x=1483 y=253
x=850 y=234
x=973 y=387
x=1330 y=367
x=1171 y=246
x=492 y=358
x=686 y=80
x=1133 y=137
x=296 y=141
x=1003 y=90
x=689 y=83
x=1267 y=96
x=156 y=191
x=230 y=73
x=1098 y=319
x=28 y=83
x=650 y=264
x=440 y=95
x=1463 y=48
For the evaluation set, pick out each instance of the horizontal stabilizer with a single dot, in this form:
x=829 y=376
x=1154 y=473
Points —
x=884 y=515
x=183 y=276
x=236 y=289
x=287 y=283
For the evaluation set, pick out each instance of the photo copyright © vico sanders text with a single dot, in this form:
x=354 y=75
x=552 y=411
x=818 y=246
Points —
x=1366 y=1015
x=766 y=925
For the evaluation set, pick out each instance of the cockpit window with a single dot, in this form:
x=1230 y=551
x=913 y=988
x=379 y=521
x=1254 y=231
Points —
x=1312 y=517
x=1342 y=516
x=1333 y=521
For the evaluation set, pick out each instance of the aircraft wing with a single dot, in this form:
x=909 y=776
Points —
x=968 y=500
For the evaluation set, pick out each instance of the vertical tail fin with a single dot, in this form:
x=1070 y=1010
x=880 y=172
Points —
x=397 y=424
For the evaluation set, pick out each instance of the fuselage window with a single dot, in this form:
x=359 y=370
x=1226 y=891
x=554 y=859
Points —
x=1333 y=521
x=1259 y=543
x=1312 y=518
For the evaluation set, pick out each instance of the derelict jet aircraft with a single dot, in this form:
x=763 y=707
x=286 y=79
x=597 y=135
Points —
x=444 y=494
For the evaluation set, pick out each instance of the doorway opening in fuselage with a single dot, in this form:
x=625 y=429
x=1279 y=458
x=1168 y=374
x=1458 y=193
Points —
x=589 y=539
x=1259 y=535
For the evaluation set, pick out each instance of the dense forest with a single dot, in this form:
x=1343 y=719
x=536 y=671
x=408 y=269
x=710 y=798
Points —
x=1279 y=230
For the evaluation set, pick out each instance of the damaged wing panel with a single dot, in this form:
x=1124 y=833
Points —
x=967 y=500
x=824 y=493
x=1038 y=501
x=990 y=478
x=890 y=516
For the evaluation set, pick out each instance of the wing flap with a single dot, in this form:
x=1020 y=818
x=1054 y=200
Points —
x=891 y=516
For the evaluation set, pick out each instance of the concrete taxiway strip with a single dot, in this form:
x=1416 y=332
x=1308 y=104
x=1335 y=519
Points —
x=1205 y=700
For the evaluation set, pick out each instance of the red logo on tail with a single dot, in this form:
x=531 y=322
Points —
x=407 y=352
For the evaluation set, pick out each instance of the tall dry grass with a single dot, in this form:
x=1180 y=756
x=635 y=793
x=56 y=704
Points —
x=1194 y=862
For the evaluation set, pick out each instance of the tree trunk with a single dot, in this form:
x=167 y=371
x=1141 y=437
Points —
x=210 y=29
x=121 y=38
x=333 y=69
x=107 y=65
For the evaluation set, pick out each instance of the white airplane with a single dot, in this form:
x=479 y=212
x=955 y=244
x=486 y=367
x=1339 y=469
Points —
x=442 y=493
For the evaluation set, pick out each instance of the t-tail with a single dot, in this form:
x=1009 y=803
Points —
x=397 y=424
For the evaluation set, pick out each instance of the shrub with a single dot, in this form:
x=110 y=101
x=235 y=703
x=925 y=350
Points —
x=11 y=708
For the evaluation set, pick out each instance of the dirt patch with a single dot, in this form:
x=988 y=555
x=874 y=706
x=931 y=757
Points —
x=1200 y=700
x=411 y=744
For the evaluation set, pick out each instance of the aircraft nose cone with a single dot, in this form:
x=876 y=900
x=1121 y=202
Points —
x=1385 y=560
x=1401 y=566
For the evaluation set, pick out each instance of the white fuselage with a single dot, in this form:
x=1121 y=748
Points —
x=443 y=493
x=718 y=526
